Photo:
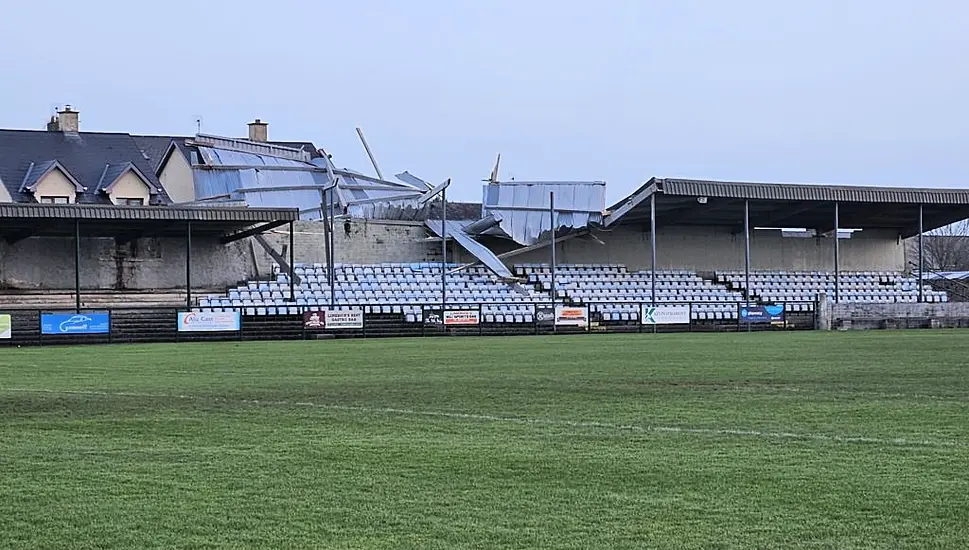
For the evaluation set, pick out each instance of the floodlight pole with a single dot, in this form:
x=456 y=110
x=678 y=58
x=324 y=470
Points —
x=325 y=219
x=292 y=262
x=443 y=249
x=652 y=246
x=747 y=252
x=330 y=223
x=188 y=265
x=837 y=256
x=77 y=265
x=921 y=264
x=551 y=223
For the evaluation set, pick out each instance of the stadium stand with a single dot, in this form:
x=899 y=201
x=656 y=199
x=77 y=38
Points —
x=805 y=286
x=384 y=288
x=617 y=293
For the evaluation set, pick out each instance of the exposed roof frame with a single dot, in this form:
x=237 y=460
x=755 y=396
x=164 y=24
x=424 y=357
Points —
x=632 y=201
x=251 y=147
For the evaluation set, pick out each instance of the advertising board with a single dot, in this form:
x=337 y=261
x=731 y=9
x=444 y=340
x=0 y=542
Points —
x=314 y=320
x=762 y=314
x=75 y=323
x=209 y=321
x=544 y=315
x=567 y=316
x=665 y=315
x=6 y=325
x=344 y=319
x=463 y=317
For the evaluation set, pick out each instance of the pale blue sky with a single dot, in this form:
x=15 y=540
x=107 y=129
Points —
x=853 y=92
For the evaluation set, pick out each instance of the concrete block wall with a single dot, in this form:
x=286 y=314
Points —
x=42 y=263
x=720 y=249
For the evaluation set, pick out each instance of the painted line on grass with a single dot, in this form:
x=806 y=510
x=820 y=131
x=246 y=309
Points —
x=896 y=441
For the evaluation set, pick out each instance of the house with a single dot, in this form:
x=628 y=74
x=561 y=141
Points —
x=62 y=165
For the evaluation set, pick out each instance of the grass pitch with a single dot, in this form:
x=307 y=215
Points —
x=806 y=440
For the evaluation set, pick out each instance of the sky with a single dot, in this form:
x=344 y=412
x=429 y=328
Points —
x=842 y=92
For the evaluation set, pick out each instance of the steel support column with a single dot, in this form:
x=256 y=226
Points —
x=443 y=249
x=652 y=247
x=292 y=262
x=747 y=252
x=188 y=265
x=551 y=224
x=837 y=255
x=77 y=265
x=325 y=219
x=921 y=258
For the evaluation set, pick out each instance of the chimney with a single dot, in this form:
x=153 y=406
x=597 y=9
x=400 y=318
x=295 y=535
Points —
x=258 y=131
x=67 y=120
x=52 y=125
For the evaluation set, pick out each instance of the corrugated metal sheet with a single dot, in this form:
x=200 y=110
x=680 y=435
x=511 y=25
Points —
x=523 y=207
x=148 y=213
x=820 y=193
x=255 y=148
x=455 y=230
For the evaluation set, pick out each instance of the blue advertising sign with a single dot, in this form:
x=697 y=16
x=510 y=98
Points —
x=75 y=323
x=762 y=314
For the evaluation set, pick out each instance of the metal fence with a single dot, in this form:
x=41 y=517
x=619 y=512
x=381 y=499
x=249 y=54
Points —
x=309 y=321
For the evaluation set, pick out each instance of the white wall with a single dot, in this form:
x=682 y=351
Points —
x=55 y=184
x=130 y=186
x=715 y=248
x=177 y=179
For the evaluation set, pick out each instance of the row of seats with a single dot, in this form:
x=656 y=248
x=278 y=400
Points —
x=859 y=287
x=621 y=289
x=612 y=291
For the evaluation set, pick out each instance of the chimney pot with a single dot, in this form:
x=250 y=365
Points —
x=258 y=131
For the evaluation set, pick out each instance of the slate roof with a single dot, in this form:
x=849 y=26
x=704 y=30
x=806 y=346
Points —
x=114 y=171
x=83 y=154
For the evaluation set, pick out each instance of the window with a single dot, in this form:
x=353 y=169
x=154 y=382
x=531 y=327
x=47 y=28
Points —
x=131 y=202
x=55 y=200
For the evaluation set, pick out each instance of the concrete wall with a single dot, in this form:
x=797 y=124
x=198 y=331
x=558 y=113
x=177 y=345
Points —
x=873 y=316
x=129 y=186
x=359 y=241
x=159 y=263
x=713 y=248
x=48 y=263
x=177 y=179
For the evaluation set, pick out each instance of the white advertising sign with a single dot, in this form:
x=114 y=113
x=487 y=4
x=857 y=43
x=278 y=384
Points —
x=666 y=315
x=350 y=319
x=219 y=321
x=566 y=316
x=461 y=317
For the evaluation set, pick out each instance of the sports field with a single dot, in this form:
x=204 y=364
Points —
x=809 y=440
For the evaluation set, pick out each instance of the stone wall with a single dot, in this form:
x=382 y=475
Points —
x=873 y=316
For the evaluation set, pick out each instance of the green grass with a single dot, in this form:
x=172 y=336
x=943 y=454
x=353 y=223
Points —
x=809 y=440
